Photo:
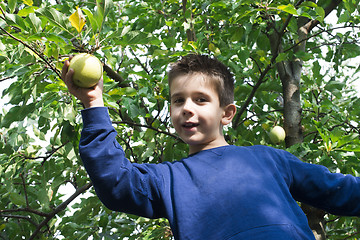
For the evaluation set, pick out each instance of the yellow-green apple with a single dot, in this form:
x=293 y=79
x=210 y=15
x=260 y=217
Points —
x=277 y=134
x=87 y=70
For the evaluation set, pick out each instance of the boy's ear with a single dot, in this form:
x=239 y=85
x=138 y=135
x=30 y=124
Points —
x=229 y=113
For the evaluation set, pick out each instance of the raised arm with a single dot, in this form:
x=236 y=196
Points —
x=120 y=185
x=315 y=185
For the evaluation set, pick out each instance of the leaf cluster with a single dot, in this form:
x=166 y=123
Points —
x=45 y=190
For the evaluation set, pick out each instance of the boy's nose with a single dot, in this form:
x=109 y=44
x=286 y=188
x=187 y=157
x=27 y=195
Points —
x=188 y=108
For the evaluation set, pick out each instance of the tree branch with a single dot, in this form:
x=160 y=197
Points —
x=32 y=49
x=316 y=34
x=190 y=31
x=60 y=208
x=48 y=216
x=253 y=91
x=115 y=76
x=312 y=23
x=275 y=37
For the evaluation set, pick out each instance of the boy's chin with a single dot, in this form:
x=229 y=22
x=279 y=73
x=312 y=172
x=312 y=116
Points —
x=192 y=142
x=197 y=140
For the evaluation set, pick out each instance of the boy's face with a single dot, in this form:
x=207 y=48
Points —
x=196 y=113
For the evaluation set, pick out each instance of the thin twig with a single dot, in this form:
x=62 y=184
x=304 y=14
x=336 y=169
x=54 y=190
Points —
x=45 y=158
x=129 y=147
x=158 y=112
x=43 y=214
x=3 y=13
x=146 y=126
x=25 y=192
x=18 y=217
x=351 y=235
x=6 y=78
x=138 y=60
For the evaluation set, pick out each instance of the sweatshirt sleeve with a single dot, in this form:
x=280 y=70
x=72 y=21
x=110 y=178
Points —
x=315 y=185
x=121 y=185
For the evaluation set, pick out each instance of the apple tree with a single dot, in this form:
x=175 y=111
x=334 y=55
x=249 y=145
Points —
x=294 y=63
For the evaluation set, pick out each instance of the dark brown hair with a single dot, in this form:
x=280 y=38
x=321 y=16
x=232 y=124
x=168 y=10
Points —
x=211 y=67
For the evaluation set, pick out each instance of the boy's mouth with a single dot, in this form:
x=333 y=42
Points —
x=190 y=125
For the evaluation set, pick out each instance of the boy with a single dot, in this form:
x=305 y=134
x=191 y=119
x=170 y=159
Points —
x=219 y=191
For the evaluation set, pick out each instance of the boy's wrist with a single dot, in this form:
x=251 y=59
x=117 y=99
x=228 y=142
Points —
x=94 y=103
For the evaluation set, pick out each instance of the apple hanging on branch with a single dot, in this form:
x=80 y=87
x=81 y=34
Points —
x=277 y=134
x=88 y=70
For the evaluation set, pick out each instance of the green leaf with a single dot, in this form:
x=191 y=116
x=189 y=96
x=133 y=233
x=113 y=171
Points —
x=281 y=57
x=138 y=37
x=126 y=91
x=263 y=42
x=55 y=17
x=12 y=5
x=17 y=113
x=350 y=5
x=33 y=22
x=350 y=50
x=321 y=12
x=43 y=197
x=17 y=199
x=2 y=227
x=67 y=132
x=344 y=17
x=28 y=2
x=238 y=34
x=334 y=85
x=15 y=20
x=305 y=56
x=26 y=11
x=94 y=24
x=103 y=8
x=309 y=4
x=288 y=9
x=69 y=113
x=49 y=36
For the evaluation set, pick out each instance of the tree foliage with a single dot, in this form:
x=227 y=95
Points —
x=293 y=67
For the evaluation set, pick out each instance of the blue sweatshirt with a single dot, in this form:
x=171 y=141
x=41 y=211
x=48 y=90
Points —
x=222 y=193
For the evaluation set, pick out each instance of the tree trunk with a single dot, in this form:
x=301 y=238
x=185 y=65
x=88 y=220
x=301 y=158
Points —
x=290 y=75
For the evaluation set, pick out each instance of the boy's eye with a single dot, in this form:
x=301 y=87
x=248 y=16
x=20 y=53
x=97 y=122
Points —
x=202 y=99
x=178 y=100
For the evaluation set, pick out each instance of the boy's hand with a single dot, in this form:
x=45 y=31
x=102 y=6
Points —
x=90 y=97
